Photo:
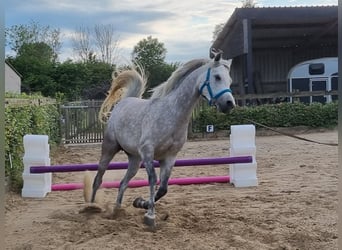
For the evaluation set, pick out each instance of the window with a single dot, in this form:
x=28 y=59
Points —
x=316 y=68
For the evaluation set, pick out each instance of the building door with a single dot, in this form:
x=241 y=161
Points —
x=319 y=84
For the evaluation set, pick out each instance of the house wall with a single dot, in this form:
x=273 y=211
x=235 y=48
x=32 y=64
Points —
x=12 y=80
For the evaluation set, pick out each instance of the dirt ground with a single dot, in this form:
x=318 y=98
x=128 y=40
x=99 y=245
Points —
x=293 y=207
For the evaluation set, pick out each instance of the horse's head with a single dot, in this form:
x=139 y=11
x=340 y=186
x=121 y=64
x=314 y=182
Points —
x=215 y=84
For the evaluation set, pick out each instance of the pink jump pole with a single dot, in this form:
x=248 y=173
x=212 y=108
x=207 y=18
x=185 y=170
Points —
x=142 y=183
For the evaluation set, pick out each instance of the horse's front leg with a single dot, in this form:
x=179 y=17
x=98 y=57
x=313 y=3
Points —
x=149 y=218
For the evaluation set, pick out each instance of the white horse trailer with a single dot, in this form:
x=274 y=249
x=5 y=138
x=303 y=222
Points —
x=314 y=75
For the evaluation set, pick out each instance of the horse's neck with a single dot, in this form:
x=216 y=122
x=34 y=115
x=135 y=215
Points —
x=185 y=97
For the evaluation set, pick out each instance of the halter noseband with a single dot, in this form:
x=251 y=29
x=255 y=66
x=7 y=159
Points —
x=207 y=84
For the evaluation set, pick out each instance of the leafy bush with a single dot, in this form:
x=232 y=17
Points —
x=272 y=115
x=19 y=121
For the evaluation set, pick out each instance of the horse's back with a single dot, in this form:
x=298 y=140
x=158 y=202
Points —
x=135 y=121
x=124 y=124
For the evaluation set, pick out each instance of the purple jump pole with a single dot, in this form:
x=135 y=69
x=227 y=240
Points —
x=142 y=183
x=123 y=165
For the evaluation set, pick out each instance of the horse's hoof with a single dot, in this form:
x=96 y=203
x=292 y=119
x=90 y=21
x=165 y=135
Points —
x=150 y=221
x=137 y=202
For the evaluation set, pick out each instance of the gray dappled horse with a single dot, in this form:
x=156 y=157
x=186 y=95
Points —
x=156 y=128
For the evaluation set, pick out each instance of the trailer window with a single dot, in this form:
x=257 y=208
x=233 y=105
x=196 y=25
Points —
x=316 y=68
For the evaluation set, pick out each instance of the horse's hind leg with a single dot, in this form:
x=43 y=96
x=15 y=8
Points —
x=133 y=167
x=109 y=149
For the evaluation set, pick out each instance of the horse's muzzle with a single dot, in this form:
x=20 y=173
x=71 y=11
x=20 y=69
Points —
x=227 y=108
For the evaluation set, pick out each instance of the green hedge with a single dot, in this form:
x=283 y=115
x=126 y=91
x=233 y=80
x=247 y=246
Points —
x=26 y=119
x=314 y=115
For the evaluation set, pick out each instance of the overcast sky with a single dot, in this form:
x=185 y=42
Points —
x=185 y=27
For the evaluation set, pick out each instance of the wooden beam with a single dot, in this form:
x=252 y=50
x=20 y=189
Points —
x=248 y=50
x=286 y=94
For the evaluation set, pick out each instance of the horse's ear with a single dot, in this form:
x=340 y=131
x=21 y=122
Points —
x=229 y=62
x=218 y=57
x=217 y=54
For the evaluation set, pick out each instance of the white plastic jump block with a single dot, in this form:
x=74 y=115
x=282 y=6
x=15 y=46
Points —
x=242 y=143
x=37 y=153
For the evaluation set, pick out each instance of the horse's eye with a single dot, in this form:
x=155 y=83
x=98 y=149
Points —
x=217 y=77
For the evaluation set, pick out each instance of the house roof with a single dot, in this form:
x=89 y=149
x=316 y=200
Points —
x=278 y=27
x=14 y=69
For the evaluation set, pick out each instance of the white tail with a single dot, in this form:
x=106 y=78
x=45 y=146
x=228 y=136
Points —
x=87 y=189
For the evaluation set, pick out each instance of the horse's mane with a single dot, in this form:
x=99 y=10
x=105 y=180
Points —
x=177 y=76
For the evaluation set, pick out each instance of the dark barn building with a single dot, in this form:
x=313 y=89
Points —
x=265 y=43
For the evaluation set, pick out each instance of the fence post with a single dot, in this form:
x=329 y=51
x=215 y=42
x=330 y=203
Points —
x=36 y=154
x=242 y=143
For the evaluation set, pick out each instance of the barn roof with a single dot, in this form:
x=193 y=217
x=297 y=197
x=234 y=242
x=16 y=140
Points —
x=277 y=27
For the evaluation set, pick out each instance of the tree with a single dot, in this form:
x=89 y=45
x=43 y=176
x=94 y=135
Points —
x=81 y=43
x=106 y=42
x=79 y=80
x=39 y=50
x=36 y=50
x=218 y=28
x=33 y=33
x=248 y=3
x=99 y=43
x=99 y=79
x=71 y=79
x=149 y=52
x=35 y=62
x=159 y=74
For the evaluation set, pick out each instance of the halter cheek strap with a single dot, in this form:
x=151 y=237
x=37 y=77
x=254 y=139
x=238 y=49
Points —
x=211 y=94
